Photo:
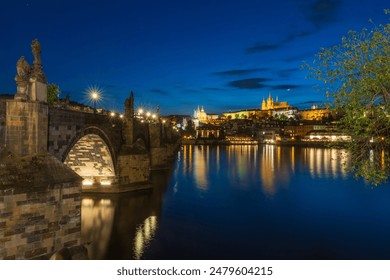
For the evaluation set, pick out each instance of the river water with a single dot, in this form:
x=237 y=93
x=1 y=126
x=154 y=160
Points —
x=244 y=202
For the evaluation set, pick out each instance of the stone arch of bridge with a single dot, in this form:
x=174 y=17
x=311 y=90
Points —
x=140 y=141
x=91 y=155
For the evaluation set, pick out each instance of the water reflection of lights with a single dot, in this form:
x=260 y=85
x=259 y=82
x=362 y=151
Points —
x=267 y=170
x=97 y=218
x=327 y=163
x=200 y=167
x=383 y=159
x=144 y=234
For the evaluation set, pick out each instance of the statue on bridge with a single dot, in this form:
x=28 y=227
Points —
x=36 y=50
x=23 y=70
x=31 y=81
x=37 y=72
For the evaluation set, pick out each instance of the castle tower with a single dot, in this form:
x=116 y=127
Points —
x=263 y=105
x=270 y=102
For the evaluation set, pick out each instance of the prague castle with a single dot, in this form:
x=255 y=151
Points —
x=270 y=104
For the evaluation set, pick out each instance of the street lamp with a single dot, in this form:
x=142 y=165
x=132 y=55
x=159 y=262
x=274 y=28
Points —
x=94 y=96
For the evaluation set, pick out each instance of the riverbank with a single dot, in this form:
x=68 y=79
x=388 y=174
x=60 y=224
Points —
x=319 y=144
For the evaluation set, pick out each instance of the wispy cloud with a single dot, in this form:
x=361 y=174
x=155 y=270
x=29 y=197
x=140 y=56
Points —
x=252 y=83
x=286 y=73
x=159 y=91
x=323 y=12
x=213 y=89
x=263 y=47
x=311 y=102
x=284 y=87
x=239 y=72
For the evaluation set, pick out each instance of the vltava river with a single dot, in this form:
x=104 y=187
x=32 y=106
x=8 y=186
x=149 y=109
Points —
x=244 y=202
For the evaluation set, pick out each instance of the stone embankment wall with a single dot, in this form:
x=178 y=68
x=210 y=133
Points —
x=39 y=208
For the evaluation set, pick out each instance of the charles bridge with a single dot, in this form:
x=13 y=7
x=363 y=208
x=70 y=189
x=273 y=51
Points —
x=50 y=154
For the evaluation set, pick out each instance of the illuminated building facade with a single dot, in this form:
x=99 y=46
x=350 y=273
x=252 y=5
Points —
x=242 y=114
x=209 y=131
x=315 y=114
x=200 y=116
x=270 y=104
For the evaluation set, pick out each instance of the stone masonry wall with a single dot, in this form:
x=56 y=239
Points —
x=39 y=206
x=26 y=124
x=2 y=122
x=159 y=158
x=35 y=223
x=65 y=125
x=134 y=168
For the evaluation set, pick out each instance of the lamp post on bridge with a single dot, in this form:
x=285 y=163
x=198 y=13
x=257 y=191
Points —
x=94 y=96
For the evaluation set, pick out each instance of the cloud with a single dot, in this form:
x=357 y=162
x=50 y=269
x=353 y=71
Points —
x=252 y=83
x=159 y=91
x=286 y=73
x=301 y=57
x=239 y=72
x=213 y=89
x=109 y=86
x=284 y=87
x=311 y=102
x=263 y=47
x=292 y=37
x=189 y=90
x=323 y=12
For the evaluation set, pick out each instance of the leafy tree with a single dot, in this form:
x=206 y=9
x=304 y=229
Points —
x=190 y=128
x=356 y=79
x=53 y=92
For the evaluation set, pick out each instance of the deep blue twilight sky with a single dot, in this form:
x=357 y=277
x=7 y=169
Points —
x=224 y=55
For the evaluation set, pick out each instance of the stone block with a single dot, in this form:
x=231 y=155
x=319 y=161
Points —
x=158 y=158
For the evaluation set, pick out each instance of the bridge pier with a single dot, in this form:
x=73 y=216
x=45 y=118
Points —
x=26 y=127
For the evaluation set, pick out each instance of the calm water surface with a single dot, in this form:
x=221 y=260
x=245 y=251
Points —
x=244 y=202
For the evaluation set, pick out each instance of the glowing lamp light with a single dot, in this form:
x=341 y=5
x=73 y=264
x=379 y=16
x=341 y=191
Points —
x=121 y=116
x=87 y=182
x=105 y=182
x=154 y=116
x=164 y=121
x=94 y=95
x=140 y=111
x=112 y=114
x=148 y=114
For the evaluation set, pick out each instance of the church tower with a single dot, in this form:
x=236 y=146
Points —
x=270 y=102
x=263 y=105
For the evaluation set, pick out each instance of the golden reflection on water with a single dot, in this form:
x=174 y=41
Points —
x=97 y=217
x=274 y=166
x=200 y=166
x=383 y=159
x=267 y=168
x=327 y=163
x=144 y=234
